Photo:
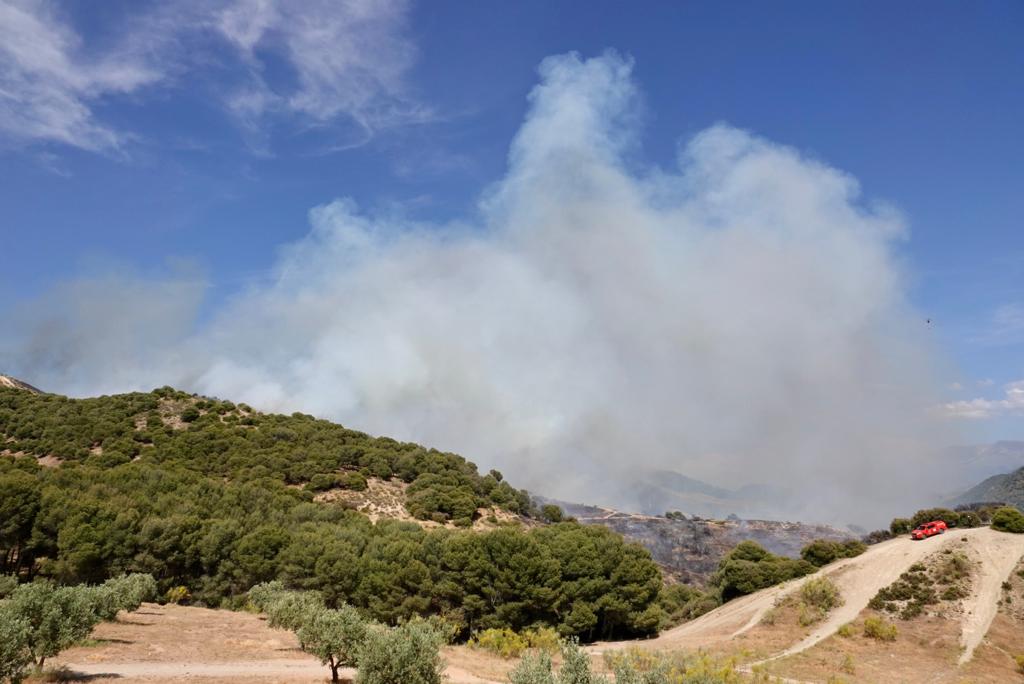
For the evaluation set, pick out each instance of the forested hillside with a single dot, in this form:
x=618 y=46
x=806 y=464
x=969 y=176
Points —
x=215 y=497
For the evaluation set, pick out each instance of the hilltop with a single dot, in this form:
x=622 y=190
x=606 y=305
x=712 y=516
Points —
x=212 y=497
x=14 y=383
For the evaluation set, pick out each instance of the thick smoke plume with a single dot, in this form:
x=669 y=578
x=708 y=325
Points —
x=740 y=318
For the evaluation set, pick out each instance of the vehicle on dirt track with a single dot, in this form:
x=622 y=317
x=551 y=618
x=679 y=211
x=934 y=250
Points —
x=928 y=529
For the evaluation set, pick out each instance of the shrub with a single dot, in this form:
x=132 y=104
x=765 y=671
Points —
x=322 y=482
x=334 y=636
x=293 y=609
x=845 y=630
x=969 y=519
x=15 y=654
x=821 y=593
x=900 y=526
x=576 y=665
x=820 y=552
x=951 y=518
x=552 y=513
x=353 y=480
x=749 y=567
x=501 y=642
x=1008 y=519
x=877 y=536
x=262 y=594
x=877 y=628
x=408 y=654
x=823 y=551
x=1019 y=659
x=8 y=583
x=543 y=639
x=534 y=668
x=179 y=594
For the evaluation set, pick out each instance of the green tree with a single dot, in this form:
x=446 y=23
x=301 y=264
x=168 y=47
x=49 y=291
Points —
x=407 y=654
x=57 y=617
x=1008 y=519
x=334 y=636
x=19 y=504
x=15 y=655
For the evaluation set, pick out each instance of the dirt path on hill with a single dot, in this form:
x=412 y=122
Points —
x=999 y=553
x=858 y=579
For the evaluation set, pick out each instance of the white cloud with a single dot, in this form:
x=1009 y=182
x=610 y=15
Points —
x=590 y=320
x=1012 y=403
x=48 y=80
x=349 y=58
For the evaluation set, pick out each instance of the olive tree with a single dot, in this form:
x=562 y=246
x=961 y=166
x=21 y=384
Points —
x=408 y=654
x=334 y=636
x=57 y=617
x=15 y=656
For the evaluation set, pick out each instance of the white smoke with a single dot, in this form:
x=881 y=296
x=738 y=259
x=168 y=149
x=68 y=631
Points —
x=740 y=318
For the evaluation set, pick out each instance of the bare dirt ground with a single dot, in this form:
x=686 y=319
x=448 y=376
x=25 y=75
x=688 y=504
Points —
x=184 y=644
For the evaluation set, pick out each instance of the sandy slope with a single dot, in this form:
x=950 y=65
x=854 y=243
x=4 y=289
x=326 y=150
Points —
x=859 y=579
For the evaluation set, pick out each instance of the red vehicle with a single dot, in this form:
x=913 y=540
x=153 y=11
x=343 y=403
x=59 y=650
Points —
x=928 y=529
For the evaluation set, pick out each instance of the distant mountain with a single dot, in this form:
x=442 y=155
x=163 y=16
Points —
x=658 y=491
x=1008 y=488
x=8 y=381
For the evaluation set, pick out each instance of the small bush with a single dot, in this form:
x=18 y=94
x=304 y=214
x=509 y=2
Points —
x=821 y=593
x=354 y=480
x=846 y=630
x=322 y=482
x=8 y=583
x=1008 y=519
x=969 y=519
x=877 y=536
x=877 y=628
x=1019 y=659
x=534 y=668
x=501 y=642
x=179 y=594
x=900 y=526
x=954 y=592
x=543 y=639
x=847 y=665
x=951 y=518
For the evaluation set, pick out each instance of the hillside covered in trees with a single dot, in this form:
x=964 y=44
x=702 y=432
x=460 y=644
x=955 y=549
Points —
x=212 y=498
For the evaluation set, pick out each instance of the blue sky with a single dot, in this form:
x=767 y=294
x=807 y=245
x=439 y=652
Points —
x=148 y=139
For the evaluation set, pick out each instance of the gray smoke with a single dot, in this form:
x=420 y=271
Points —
x=740 y=318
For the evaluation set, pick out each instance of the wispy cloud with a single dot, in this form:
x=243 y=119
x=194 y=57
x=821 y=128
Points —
x=349 y=59
x=1012 y=403
x=48 y=80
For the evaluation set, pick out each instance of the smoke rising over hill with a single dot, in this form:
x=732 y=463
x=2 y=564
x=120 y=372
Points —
x=740 y=318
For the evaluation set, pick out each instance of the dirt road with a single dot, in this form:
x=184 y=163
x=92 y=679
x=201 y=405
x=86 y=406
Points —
x=859 y=579
x=184 y=644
